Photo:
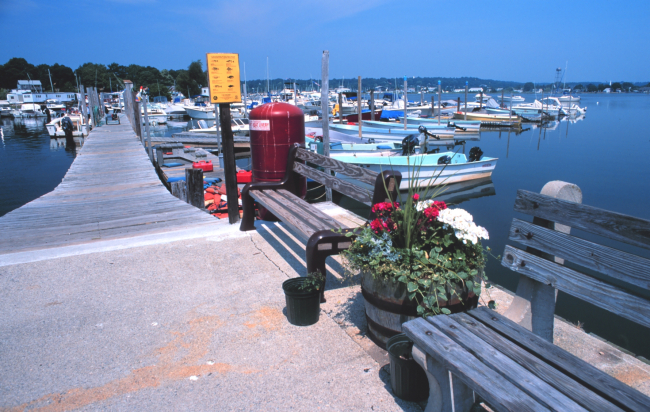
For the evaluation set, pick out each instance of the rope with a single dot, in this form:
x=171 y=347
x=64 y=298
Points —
x=314 y=188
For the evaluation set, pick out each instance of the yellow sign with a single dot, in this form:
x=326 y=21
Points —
x=223 y=72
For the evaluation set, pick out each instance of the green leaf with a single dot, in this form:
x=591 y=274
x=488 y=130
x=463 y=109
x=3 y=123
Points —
x=445 y=311
x=462 y=275
x=470 y=284
x=420 y=310
x=412 y=286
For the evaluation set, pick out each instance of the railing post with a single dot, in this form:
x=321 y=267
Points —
x=195 y=196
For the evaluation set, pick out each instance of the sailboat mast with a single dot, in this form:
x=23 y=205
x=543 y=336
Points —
x=50 y=74
x=267 y=74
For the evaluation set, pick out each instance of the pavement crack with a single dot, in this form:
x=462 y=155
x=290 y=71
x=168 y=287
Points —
x=267 y=256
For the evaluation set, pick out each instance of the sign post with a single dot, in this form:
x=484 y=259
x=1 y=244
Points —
x=225 y=84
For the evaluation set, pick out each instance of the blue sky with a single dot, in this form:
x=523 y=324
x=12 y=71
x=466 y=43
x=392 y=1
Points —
x=504 y=40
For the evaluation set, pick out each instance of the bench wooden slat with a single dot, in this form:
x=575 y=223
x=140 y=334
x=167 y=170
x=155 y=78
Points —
x=597 y=292
x=519 y=376
x=314 y=216
x=299 y=226
x=501 y=393
x=565 y=384
x=356 y=172
x=349 y=189
x=612 y=389
x=612 y=262
x=617 y=226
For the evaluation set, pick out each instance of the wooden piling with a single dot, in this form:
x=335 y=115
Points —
x=503 y=103
x=466 y=84
x=372 y=105
x=194 y=181
x=359 y=106
x=229 y=168
x=136 y=116
x=458 y=105
x=324 y=106
x=405 y=102
x=160 y=157
x=145 y=100
x=439 y=101
x=179 y=189
x=340 y=109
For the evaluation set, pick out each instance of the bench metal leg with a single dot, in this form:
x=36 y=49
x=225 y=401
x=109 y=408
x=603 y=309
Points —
x=322 y=244
x=441 y=386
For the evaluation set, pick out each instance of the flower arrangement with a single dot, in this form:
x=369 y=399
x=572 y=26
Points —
x=435 y=251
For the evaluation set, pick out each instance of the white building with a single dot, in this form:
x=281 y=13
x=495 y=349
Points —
x=31 y=91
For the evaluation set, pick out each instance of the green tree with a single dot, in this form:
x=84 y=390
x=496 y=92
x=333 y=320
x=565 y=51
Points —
x=616 y=86
x=602 y=86
x=627 y=86
x=578 y=87
x=529 y=86
x=191 y=80
x=592 y=88
x=15 y=69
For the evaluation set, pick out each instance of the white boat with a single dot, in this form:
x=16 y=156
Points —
x=470 y=126
x=54 y=128
x=239 y=126
x=514 y=99
x=200 y=112
x=422 y=170
x=5 y=109
x=444 y=131
x=29 y=110
x=374 y=133
x=155 y=114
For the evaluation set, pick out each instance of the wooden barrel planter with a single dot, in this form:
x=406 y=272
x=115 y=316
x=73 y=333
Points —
x=388 y=306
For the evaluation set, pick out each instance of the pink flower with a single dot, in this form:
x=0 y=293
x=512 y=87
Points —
x=440 y=205
x=416 y=197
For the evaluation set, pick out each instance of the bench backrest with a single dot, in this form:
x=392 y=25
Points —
x=542 y=261
x=347 y=187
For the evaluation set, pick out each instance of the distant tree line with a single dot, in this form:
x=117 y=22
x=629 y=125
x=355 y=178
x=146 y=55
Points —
x=105 y=77
x=189 y=82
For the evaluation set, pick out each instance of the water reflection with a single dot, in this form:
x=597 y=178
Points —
x=457 y=193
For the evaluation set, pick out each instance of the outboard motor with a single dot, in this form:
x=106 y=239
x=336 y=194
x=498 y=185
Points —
x=409 y=143
x=444 y=160
x=475 y=154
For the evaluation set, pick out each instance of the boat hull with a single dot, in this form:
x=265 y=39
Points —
x=200 y=114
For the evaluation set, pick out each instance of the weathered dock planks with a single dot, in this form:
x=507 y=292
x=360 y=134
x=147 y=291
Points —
x=111 y=192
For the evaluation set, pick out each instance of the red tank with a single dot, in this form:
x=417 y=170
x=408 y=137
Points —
x=274 y=128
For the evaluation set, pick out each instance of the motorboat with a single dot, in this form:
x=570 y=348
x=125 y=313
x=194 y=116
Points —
x=462 y=126
x=200 y=112
x=79 y=129
x=373 y=132
x=444 y=131
x=514 y=99
x=5 y=109
x=29 y=110
x=567 y=97
x=155 y=114
x=424 y=170
x=483 y=116
x=239 y=126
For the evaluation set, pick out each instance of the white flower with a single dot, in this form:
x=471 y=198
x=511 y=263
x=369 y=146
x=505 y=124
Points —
x=463 y=224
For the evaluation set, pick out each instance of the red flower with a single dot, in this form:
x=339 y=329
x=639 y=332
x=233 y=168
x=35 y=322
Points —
x=431 y=212
x=383 y=209
x=377 y=225
x=416 y=197
x=440 y=205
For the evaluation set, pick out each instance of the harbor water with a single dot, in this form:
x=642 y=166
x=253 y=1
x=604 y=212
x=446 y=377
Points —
x=605 y=154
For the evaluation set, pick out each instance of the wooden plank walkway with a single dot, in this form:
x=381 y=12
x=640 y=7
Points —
x=110 y=192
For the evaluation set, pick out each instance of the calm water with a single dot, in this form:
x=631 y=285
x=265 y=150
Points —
x=605 y=154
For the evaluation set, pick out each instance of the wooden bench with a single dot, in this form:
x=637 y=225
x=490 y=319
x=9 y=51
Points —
x=508 y=366
x=306 y=221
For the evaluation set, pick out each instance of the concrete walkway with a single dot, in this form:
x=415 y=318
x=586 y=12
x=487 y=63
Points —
x=189 y=325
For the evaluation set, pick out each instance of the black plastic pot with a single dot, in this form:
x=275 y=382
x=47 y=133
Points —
x=407 y=378
x=303 y=308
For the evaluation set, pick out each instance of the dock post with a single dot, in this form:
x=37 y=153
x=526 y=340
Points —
x=405 y=102
x=480 y=104
x=82 y=106
x=340 y=109
x=128 y=102
x=359 y=106
x=458 y=105
x=439 y=101
x=179 y=189
x=510 y=118
x=160 y=156
x=145 y=100
x=324 y=106
x=195 y=196
x=229 y=168
x=372 y=105
x=421 y=96
x=466 y=99
x=137 y=122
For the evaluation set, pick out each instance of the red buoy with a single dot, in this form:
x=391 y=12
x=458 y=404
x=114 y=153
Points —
x=274 y=128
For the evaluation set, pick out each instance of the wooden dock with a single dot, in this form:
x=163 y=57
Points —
x=111 y=193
